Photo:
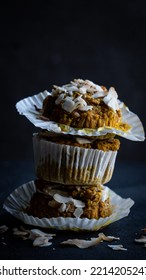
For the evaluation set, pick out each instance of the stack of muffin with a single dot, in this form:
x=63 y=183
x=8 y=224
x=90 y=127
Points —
x=72 y=169
x=76 y=149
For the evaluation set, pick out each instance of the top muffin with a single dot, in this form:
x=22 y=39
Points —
x=82 y=108
x=83 y=104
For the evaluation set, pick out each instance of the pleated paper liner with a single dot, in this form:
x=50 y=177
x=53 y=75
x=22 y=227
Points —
x=27 y=105
x=19 y=199
x=71 y=165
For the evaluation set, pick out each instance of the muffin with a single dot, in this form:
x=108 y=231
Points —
x=83 y=104
x=74 y=160
x=18 y=204
x=82 y=108
x=55 y=200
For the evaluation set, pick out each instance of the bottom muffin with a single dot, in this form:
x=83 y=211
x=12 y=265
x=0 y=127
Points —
x=18 y=201
x=55 y=200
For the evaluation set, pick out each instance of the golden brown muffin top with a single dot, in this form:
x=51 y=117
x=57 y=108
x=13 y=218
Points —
x=83 y=104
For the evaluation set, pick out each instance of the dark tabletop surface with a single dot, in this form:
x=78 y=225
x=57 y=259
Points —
x=129 y=180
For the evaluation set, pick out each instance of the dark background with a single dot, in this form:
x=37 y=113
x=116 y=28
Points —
x=52 y=42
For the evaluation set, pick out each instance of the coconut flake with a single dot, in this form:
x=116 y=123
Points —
x=59 y=99
x=99 y=88
x=63 y=199
x=57 y=90
x=38 y=237
x=81 y=243
x=99 y=94
x=62 y=208
x=111 y=99
x=142 y=239
x=39 y=233
x=85 y=108
x=20 y=233
x=52 y=192
x=83 y=140
x=118 y=247
x=86 y=86
x=108 y=238
x=78 y=212
x=41 y=241
x=78 y=82
x=83 y=89
x=70 y=88
x=80 y=102
x=68 y=104
x=105 y=194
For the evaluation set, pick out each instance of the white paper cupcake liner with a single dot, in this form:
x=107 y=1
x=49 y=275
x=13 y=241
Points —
x=19 y=199
x=26 y=107
x=71 y=165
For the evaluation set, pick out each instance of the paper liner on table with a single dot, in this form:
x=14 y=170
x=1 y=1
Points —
x=72 y=165
x=26 y=107
x=19 y=199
